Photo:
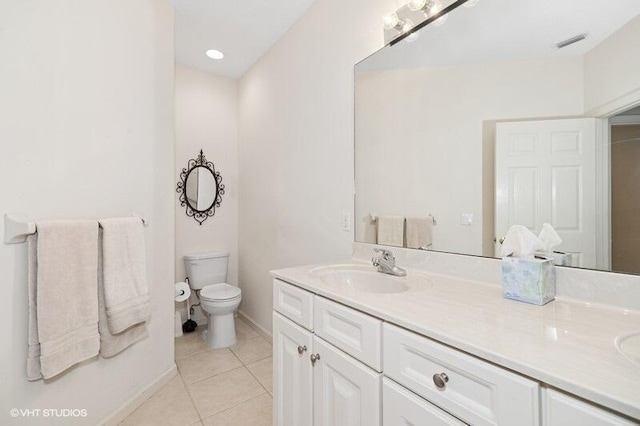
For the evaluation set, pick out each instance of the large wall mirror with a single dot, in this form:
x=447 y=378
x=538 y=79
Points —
x=483 y=121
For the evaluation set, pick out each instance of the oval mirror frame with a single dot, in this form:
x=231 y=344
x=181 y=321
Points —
x=199 y=215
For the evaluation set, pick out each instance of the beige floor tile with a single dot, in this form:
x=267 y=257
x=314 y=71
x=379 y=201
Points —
x=244 y=330
x=170 y=406
x=252 y=350
x=206 y=364
x=263 y=371
x=256 y=412
x=190 y=344
x=224 y=391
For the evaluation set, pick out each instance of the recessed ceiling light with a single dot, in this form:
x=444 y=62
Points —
x=215 y=54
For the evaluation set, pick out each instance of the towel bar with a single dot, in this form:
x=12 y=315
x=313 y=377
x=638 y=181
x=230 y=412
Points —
x=17 y=226
x=374 y=217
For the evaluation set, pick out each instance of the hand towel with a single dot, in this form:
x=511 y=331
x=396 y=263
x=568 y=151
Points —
x=66 y=294
x=113 y=344
x=419 y=232
x=391 y=231
x=33 y=352
x=126 y=295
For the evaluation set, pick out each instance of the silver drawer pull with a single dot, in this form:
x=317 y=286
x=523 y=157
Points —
x=302 y=349
x=440 y=380
x=314 y=358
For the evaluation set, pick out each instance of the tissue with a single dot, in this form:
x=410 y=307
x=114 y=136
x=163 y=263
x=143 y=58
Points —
x=520 y=242
x=549 y=238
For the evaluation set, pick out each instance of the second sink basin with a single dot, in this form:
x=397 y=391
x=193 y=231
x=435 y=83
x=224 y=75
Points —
x=364 y=278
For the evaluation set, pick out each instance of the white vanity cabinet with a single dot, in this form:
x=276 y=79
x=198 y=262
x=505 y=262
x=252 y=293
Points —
x=315 y=383
x=335 y=365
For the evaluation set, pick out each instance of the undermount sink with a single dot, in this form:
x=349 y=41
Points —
x=366 y=279
x=629 y=346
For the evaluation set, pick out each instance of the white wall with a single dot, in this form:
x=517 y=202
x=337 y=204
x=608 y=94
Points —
x=206 y=108
x=296 y=145
x=409 y=120
x=86 y=126
x=611 y=71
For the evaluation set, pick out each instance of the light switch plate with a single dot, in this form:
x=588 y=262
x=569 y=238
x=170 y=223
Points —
x=466 y=219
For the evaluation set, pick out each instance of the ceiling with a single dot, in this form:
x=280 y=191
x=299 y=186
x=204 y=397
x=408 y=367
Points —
x=242 y=29
x=494 y=31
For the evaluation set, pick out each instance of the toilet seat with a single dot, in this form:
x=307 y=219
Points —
x=220 y=292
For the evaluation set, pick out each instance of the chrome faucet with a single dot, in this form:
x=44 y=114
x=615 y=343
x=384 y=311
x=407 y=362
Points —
x=387 y=263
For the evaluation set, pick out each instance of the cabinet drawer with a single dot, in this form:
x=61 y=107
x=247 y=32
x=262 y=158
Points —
x=355 y=333
x=475 y=391
x=401 y=407
x=561 y=409
x=294 y=303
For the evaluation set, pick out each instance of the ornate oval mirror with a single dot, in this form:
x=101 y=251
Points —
x=200 y=188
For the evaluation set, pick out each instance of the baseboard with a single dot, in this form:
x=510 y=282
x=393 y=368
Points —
x=261 y=331
x=129 y=407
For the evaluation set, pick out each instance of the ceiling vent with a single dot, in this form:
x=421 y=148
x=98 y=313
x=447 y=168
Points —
x=571 y=41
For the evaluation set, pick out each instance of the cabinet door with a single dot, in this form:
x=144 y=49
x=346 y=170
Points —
x=346 y=392
x=401 y=408
x=562 y=410
x=292 y=374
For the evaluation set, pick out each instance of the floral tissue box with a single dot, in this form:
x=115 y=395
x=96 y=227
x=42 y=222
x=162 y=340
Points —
x=529 y=280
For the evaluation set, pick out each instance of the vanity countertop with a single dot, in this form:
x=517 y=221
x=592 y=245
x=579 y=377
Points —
x=567 y=344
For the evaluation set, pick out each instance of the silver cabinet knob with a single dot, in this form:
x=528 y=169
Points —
x=440 y=380
x=314 y=358
x=302 y=349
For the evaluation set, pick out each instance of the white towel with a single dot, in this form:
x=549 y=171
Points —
x=112 y=344
x=419 y=232
x=33 y=353
x=391 y=231
x=64 y=295
x=126 y=294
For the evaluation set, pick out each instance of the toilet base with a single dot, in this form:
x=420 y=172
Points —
x=221 y=332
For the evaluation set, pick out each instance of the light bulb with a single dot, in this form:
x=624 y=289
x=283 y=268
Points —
x=416 y=5
x=390 y=21
x=434 y=7
x=407 y=26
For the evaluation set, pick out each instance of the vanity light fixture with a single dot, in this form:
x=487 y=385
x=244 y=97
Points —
x=429 y=8
x=214 y=54
x=391 y=22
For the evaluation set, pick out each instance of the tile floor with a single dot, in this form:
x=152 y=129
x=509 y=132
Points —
x=214 y=387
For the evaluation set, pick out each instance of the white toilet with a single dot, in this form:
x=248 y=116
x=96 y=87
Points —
x=207 y=274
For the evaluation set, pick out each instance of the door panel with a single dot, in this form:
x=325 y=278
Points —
x=292 y=374
x=346 y=392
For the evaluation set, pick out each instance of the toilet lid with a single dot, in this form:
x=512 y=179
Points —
x=220 y=292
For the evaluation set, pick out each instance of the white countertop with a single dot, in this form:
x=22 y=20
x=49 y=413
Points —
x=567 y=344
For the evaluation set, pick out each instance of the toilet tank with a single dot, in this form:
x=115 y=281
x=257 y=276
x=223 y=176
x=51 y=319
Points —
x=206 y=268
